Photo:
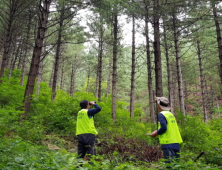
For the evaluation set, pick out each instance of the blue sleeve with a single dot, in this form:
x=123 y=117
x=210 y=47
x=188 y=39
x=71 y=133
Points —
x=92 y=112
x=163 y=124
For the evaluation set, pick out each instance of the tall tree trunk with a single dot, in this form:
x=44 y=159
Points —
x=71 y=82
x=178 y=63
x=185 y=94
x=202 y=82
x=20 y=57
x=114 y=75
x=57 y=57
x=73 y=77
x=149 y=71
x=62 y=74
x=13 y=61
x=39 y=76
x=157 y=52
x=208 y=100
x=8 y=40
x=11 y=12
x=172 y=90
x=168 y=69
x=132 y=95
x=88 y=77
x=108 y=80
x=36 y=55
x=51 y=76
x=211 y=96
x=26 y=49
x=97 y=79
x=217 y=24
x=6 y=45
x=8 y=59
x=100 y=63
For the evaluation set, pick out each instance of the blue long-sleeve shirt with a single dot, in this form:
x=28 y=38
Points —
x=92 y=112
x=163 y=128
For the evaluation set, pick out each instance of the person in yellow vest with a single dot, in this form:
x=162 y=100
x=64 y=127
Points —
x=168 y=131
x=85 y=128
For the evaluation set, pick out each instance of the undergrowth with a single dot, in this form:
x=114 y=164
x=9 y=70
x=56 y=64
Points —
x=46 y=139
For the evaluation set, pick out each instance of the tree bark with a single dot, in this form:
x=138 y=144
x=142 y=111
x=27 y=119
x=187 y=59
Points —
x=157 y=52
x=62 y=74
x=72 y=80
x=13 y=60
x=6 y=50
x=217 y=24
x=168 y=69
x=114 y=75
x=36 y=55
x=132 y=95
x=97 y=79
x=202 y=82
x=88 y=77
x=57 y=57
x=10 y=20
x=8 y=40
x=20 y=57
x=51 y=76
x=185 y=94
x=100 y=63
x=149 y=71
x=108 y=80
x=173 y=87
x=73 y=76
x=178 y=63
x=26 y=49
x=39 y=75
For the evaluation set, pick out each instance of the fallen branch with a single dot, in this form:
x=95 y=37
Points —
x=201 y=154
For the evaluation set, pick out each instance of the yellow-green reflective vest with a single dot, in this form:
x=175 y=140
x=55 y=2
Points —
x=85 y=124
x=172 y=134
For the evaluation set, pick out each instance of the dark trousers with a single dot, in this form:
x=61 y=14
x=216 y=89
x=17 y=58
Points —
x=86 y=145
x=171 y=155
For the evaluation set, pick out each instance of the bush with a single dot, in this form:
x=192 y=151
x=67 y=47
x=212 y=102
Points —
x=11 y=93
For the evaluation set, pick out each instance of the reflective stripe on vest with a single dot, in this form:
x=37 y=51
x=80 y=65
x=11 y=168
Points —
x=85 y=124
x=172 y=134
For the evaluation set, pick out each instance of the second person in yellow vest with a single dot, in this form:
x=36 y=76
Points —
x=168 y=131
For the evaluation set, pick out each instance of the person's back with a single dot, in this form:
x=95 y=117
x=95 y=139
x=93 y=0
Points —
x=172 y=134
x=85 y=124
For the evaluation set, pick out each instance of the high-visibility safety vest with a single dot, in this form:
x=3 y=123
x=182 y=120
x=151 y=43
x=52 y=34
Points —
x=85 y=124
x=172 y=134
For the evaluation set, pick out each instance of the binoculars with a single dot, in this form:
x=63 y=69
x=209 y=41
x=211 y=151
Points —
x=90 y=103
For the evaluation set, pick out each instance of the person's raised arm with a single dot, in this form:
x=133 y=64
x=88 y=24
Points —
x=92 y=112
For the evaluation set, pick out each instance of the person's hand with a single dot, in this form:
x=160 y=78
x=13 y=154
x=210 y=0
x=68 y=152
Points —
x=91 y=102
x=154 y=134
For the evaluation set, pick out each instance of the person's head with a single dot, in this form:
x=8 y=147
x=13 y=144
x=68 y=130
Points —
x=162 y=103
x=84 y=104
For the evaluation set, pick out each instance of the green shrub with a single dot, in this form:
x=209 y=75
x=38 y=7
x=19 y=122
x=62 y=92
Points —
x=9 y=121
x=214 y=158
x=22 y=155
x=31 y=131
x=11 y=93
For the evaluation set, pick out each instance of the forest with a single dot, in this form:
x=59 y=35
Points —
x=121 y=54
